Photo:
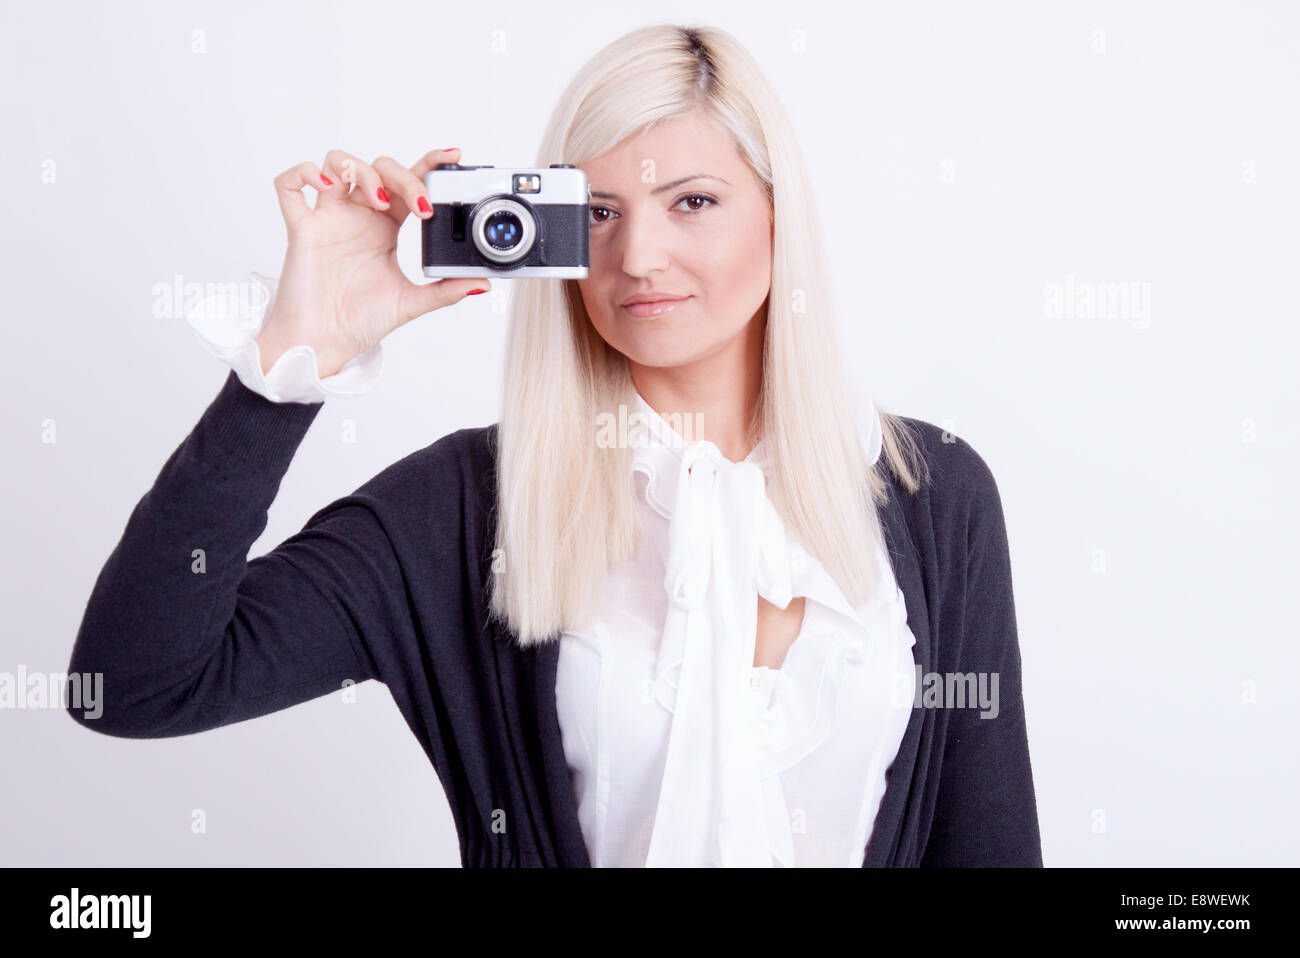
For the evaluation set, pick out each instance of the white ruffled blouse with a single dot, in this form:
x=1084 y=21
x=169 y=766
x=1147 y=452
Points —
x=681 y=751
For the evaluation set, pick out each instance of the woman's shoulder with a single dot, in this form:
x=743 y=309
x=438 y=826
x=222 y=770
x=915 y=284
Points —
x=958 y=480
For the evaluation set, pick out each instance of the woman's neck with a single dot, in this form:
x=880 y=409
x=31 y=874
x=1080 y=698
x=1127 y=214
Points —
x=720 y=392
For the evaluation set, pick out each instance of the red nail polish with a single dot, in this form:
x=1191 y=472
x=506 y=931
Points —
x=475 y=292
x=383 y=197
x=449 y=149
x=326 y=180
x=424 y=205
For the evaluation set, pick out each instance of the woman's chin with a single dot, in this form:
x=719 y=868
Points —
x=649 y=342
x=660 y=357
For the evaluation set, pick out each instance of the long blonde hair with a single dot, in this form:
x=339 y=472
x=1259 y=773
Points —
x=565 y=506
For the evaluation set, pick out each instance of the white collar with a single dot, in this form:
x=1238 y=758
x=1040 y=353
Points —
x=726 y=543
x=649 y=431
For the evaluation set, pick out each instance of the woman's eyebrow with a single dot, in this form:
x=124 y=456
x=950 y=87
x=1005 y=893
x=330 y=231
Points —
x=597 y=195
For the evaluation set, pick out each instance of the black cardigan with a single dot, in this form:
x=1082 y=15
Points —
x=389 y=583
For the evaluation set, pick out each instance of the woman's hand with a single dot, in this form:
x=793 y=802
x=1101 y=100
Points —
x=341 y=290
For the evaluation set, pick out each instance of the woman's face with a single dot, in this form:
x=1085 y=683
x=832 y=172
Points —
x=676 y=212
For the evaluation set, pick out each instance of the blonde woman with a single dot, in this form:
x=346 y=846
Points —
x=693 y=601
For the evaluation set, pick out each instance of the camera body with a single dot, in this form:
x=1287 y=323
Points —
x=506 y=222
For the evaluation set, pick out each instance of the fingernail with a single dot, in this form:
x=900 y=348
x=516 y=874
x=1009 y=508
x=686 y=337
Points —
x=424 y=205
x=383 y=197
x=450 y=149
x=475 y=292
x=326 y=180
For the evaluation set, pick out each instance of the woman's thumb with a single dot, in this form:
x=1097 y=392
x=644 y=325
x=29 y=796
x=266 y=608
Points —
x=420 y=298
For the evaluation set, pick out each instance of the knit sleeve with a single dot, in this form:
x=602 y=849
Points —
x=187 y=634
x=986 y=814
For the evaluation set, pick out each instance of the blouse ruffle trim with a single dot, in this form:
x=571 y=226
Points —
x=229 y=333
x=795 y=707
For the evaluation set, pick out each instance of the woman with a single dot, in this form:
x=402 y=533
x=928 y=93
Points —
x=691 y=644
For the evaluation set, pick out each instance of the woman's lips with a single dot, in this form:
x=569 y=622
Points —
x=657 y=308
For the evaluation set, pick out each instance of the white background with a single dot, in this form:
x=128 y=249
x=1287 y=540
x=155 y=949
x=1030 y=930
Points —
x=964 y=160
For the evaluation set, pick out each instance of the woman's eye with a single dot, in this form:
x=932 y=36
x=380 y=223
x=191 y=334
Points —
x=603 y=214
x=697 y=196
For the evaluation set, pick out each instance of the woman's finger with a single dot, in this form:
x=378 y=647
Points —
x=417 y=299
x=368 y=189
x=346 y=171
x=405 y=192
x=288 y=190
x=424 y=164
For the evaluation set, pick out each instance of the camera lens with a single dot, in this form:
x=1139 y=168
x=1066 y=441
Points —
x=503 y=230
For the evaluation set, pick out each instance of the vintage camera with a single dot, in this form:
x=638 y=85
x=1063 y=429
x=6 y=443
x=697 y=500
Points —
x=508 y=222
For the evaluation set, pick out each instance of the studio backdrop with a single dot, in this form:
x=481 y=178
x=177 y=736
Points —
x=1065 y=233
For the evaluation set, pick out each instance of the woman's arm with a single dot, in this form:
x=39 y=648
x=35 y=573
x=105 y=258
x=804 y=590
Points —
x=187 y=633
x=986 y=813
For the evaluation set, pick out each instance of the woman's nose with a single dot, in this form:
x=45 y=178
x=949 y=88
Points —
x=645 y=247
